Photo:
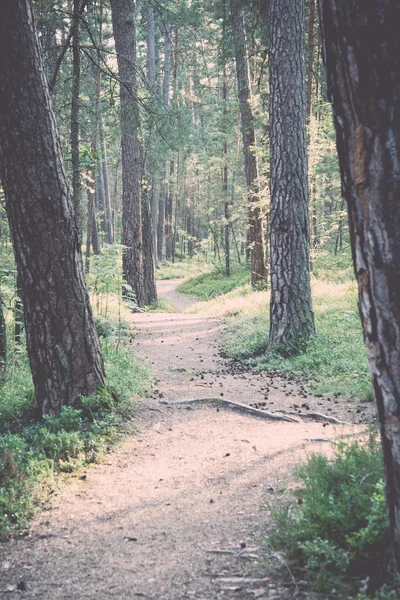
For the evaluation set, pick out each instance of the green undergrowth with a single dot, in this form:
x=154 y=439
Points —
x=180 y=269
x=333 y=363
x=32 y=453
x=333 y=529
x=214 y=284
x=161 y=305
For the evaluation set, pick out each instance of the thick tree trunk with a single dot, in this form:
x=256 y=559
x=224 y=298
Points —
x=123 y=17
x=75 y=102
x=292 y=320
x=258 y=268
x=361 y=45
x=62 y=342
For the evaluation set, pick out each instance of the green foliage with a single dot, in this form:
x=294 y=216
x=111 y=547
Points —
x=182 y=269
x=216 y=283
x=335 y=268
x=32 y=453
x=337 y=530
x=161 y=305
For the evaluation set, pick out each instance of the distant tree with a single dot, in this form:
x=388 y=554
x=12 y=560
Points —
x=292 y=319
x=63 y=345
x=258 y=268
x=123 y=18
x=361 y=47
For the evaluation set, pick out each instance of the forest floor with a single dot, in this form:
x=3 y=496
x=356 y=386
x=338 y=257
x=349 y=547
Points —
x=179 y=511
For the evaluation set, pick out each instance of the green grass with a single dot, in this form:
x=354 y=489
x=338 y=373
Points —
x=161 y=305
x=32 y=453
x=182 y=269
x=333 y=530
x=214 y=284
x=334 y=362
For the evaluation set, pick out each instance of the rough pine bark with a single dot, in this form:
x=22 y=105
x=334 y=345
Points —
x=148 y=208
x=361 y=48
x=62 y=342
x=123 y=18
x=75 y=106
x=291 y=316
x=258 y=267
x=164 y=191
x=152 y=81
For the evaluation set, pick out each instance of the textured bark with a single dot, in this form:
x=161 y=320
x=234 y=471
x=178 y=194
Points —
x=123 y=18
x=149 y=272
x=76 y=84
x=292 y=320
x=152 y=81
x=148 y=208
x=361 y=45
x=3 y=341
x=62 y=342
x=164 y=191
x=310 y=57
x=109 y=229
x=258 y=268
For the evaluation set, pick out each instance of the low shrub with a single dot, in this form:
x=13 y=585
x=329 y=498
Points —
x=335 y=532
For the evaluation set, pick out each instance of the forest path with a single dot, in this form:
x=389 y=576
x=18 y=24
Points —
x=179 y=511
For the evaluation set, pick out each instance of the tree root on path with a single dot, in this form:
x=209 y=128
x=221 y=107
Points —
x=243 y=408
x=255 y=412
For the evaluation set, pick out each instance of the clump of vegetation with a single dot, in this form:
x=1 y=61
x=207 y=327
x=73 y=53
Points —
x=182 y=268
x=216 y=283
x=333 y=363
x=334 y=531
x=32 y=453
x=161 y=305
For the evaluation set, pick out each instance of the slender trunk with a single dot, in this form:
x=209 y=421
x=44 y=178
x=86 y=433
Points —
x=361 y=55
x=3 y=341
x=76 y=83
x=258 y=268
x=164 y=190
x=292 y=319
x=62 y=342
x=123 y=18
x=152 y=81
x=109 y=230
x=310 y=57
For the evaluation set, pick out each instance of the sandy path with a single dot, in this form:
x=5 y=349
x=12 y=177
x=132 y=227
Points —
x=140 y=524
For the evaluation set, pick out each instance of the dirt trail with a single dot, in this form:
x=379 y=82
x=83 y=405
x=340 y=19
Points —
x=151 y=521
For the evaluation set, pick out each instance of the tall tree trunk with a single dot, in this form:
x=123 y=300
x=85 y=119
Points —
x=164 y=191
x=62 y=342
x=310 y=57
x=148 y=237
x=225 y=151
x=123 y=18
x=292 y=319
x=75 y=102
x=361 y=47
x=3 y=341
x=258 y=268
x=108 y=218
x=151 y=76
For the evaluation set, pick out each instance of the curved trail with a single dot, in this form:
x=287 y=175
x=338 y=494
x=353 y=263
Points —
x=179 y=511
